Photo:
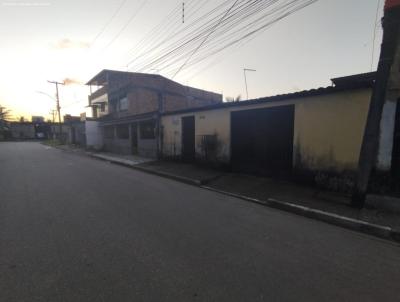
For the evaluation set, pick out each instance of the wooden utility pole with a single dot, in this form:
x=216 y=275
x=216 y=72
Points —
x=58 y=106
x=369 y=148
x=53 y=113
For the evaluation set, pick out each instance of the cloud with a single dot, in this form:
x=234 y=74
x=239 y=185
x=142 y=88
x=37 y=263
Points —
x=71 y=81
x=68 y=44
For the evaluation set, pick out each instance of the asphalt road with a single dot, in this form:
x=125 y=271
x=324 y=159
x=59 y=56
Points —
x=74 y=228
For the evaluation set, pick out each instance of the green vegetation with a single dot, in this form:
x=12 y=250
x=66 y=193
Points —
x=4 y=123
x=52 y=142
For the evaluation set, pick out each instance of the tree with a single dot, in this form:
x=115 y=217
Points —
x=4 y=116
x=231 y=99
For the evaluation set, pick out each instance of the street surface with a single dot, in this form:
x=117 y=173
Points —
x=73 y=228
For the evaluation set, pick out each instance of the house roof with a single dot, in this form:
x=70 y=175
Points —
x=368 y=77
x=100 y=79
x=340 y=85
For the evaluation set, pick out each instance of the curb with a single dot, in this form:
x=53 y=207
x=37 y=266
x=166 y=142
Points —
x=127 y=163
x=379 y=231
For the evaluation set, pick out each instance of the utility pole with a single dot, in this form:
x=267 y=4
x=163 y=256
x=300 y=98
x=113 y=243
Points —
x=58 y=106
x=369 y=148
x=53 y=112
x=245 y=80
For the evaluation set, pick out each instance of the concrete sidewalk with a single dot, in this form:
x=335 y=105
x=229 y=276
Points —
x=187 y=173
x=306 y=201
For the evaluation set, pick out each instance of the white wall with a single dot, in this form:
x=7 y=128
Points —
x=388 y=121
x=94 y=135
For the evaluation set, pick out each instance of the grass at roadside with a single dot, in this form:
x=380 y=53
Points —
x=52 y=142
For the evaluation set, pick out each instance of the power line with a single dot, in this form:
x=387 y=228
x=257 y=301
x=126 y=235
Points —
x=109 y=21
x=187 y=40
x=229 y=26
x=260 y=29
x=205 y=39
x=201 y=31
x=181 y=49
x=155 y=32
x=125 y=25
x=169 y=38
x=166 y=28
x=212 y=50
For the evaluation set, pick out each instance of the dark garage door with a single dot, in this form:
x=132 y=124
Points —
x=262 y=140
x=396 y=151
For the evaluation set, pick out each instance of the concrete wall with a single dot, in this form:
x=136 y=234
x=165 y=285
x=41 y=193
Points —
x=22 y=130
x=213 y=122
x=329 y=131
x=117 y=145
x=384 y=160
x=327 y=136
x=145 y=148
x=94 y=135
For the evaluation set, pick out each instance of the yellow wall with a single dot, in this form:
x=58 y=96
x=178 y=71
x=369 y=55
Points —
x=329 y=130
x=213 y=122
x=327 y=135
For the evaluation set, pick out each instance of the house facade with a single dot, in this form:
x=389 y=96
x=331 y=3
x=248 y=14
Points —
x=314 y=135
x=127 y=107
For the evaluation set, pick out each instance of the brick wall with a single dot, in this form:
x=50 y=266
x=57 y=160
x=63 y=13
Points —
x=142 y=101
x=144 y=91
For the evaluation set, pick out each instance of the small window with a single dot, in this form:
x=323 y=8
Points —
x=147 y=130
x=123 y=104
x=123 y=131
x=103 y=107
x=109 y=132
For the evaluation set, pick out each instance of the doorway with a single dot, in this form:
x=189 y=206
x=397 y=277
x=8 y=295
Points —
x=188 y=138
x=262 y=140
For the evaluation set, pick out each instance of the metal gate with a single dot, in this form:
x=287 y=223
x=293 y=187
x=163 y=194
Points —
x=262 y=140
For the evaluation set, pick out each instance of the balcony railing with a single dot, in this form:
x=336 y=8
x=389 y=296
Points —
x=103 y=90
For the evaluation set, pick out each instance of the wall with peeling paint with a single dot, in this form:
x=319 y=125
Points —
x=328 y=130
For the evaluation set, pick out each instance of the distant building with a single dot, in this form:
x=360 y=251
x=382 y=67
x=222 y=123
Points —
x=127 y=109
x=75 y=132
x=38 y=129
x=37 y=119
x=22 y=130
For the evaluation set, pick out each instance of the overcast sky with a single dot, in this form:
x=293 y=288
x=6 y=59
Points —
x=53 y=40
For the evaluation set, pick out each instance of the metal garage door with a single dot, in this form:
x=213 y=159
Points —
x=262 y=140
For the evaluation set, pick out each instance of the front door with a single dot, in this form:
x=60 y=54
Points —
x=188 y=138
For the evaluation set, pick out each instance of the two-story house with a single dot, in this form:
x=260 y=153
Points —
x=127 y=107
